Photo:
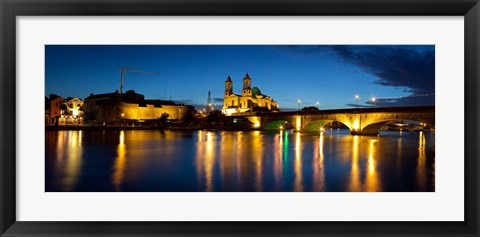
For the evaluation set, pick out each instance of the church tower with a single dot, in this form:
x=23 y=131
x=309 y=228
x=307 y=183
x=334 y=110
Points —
x=228 y=86
x=247 y=91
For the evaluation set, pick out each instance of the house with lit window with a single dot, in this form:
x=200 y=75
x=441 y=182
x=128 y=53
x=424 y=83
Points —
x=60 y=111
x=74 y=111
x=54 y=109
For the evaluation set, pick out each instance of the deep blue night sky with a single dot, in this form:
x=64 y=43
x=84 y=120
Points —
x=331 y=75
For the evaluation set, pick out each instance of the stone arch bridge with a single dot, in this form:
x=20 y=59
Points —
x=364 y=121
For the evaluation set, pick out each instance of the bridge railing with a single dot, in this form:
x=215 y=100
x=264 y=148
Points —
x=412 y=109
x=244 y=114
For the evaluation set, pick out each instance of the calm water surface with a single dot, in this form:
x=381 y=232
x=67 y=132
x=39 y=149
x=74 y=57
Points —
x=172 y=161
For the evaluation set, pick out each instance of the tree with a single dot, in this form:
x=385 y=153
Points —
x=215 y=117
x=310 y=109
x=163 y=118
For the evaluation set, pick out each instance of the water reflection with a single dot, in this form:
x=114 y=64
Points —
x=298 y=185
x=421 y=166
x=257 y=153
x=117 y=178
x=205 y=159
x=238 y=161
x=372 y=183
x=318 y=165
x=278 y=159
x=69 y=158
x=239 y=149
x=355 y=183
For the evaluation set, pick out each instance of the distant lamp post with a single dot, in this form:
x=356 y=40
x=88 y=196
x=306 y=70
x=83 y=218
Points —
x=373 y=101
x=299 y=102
x=318 y=104
x=356 y=99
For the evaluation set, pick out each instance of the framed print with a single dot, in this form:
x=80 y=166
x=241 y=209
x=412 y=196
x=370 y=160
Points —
x=240 y=118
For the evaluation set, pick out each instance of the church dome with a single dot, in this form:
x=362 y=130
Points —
x=256 y=91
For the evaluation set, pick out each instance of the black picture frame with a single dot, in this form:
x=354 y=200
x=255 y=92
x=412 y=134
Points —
x=9 y=9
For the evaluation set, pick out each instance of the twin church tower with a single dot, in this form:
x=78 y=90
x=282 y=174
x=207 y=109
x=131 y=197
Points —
x=251 y=100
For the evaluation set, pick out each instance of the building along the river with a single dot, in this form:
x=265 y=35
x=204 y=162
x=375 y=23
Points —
x=251 y=99
x=115 y=108
x=60 y=111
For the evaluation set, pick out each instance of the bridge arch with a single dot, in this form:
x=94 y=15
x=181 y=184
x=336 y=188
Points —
x=275 y=125
x=316 y=125
x=373 y=128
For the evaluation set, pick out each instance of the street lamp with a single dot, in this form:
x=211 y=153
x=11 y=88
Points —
x=299 y=102
x=356 y=99
x=373 y=100
x=318 y=103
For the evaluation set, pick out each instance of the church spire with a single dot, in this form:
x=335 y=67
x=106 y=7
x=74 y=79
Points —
x=247 y=91
x=228 y=86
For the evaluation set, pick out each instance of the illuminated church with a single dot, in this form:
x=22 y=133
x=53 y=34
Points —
x=251 y=100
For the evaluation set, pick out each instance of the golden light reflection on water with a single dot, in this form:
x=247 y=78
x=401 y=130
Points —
x=226 y=159
x=399 y=152
x=120 y=162
x=244 y=161
x=355 y=182
x=318 y=165
x=209 y=160
x=69 y=156
x=205 y=159
x=278 y=159
x=372 y=181
x=298 y=183
x=199 y=156
x=257 y=153
x=421 y=166
x=239 y=146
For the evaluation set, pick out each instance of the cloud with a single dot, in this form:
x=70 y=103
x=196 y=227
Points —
x=416 y=100
x=288 y=109
x=359 y=106
x=407 y=66
x=182 y=101
x=394 y=66
x=218 y=100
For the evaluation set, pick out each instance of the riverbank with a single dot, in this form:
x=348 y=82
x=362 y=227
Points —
x=101 y=128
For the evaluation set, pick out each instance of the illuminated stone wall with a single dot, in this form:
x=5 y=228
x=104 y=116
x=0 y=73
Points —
x=149 y=112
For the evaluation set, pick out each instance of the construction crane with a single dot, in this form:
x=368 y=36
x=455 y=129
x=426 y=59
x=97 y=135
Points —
x=124 y=70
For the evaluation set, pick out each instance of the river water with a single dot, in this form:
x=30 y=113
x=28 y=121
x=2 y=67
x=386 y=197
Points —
x=224 y=161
